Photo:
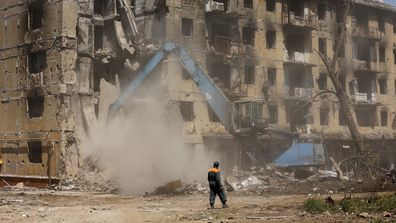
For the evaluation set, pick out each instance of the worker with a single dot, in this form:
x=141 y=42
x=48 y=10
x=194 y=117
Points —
x=216 y=186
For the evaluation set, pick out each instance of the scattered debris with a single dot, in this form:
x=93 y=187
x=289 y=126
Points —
x=170 y=187
x=364 y=215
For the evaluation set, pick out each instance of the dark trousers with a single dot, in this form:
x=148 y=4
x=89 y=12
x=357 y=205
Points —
x=220 y=193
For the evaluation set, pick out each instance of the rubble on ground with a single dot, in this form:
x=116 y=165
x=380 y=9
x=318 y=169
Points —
x=89 y=178
x=180 y=187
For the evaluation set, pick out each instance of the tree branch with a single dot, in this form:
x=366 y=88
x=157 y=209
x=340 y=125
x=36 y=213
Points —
x=313 y=98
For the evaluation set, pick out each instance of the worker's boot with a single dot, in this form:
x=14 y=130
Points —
x=225 y=205
x=211 y=206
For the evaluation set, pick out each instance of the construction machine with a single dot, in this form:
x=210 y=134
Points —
x=245 y=117
x=247 y=120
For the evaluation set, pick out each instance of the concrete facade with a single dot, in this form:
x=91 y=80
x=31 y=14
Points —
x=58 y=58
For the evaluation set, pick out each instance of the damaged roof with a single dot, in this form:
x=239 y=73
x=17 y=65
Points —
x=376 y=4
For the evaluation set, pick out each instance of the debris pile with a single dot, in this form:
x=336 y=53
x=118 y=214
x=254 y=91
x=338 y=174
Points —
x=191 y=188
x=258 y=180
x=89 y=178
x=179 y=187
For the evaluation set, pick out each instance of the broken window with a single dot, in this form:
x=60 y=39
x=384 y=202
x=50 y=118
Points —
x=98 y=6
x=221 y=71
x=341 y=117
x=297 y=79
x=340 y=11
x=363 y=51
x=249 y=74
x=395 y=86
x=36 y=17
x=361 y=18
x=273 y=113
x=384 y=118
x=366 y=83
x=324 y=115
x=187 y=27
x=298 y=116
x=322 y=81
x=271 y=72
x=35 y=152
x=248 y=4
x=297 y=7
x=366 y=116
x=35 y=105
x=221 y=37
x=37 y=62
x=98 y=37
x=270 y=5
x=394 y=56
x=271 y=39
x=187 y=110
x=382 y=54
x=381 y=23
x=382 y=86
x=212 y=115
x=248 y=35
x=322 y=46
x=295 y=43
x=321 y=11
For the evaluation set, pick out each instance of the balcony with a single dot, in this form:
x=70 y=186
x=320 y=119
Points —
x=308 y=21
x=367 y=32
x=358 y=65
x=367 y=98
x=224 y=45
x=297 y=57
x=299 y=93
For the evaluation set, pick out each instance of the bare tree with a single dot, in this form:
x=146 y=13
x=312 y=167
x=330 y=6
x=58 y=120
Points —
x=331 y=67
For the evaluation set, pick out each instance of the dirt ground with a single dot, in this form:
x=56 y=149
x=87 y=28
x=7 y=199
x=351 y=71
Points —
x=55 y=206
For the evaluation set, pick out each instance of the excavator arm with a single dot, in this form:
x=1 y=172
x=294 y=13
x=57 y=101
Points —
x=234 y=115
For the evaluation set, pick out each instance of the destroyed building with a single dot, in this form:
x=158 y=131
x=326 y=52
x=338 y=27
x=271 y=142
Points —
x=63 y=62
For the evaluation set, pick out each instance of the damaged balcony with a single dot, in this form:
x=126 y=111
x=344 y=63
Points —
x=298 y=47
x=299 y=116
x=367 y=31
x=366 y=116
x=361 y=27
x=224 y=36
x=297 y=57
x=297 y=14
x=298 y=82
x=363 y=88
x=365 y=56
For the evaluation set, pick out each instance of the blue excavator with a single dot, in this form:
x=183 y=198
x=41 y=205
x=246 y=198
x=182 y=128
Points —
x=246 y=120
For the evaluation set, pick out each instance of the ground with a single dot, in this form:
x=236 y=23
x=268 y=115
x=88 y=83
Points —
x=57 y=206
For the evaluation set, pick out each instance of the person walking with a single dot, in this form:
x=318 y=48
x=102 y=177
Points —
x=216 y=186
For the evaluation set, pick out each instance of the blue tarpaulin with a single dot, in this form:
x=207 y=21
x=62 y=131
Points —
x=302 y=154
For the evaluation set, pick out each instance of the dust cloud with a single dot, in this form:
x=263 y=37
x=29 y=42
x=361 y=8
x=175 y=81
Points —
x=144 y=149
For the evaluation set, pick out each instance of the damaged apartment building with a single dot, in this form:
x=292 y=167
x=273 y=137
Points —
x=63 y=62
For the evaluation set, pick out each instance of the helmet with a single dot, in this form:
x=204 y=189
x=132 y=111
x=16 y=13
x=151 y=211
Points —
x=216 y=164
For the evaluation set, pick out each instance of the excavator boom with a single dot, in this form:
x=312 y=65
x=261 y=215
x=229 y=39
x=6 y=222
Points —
x=234 y=115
